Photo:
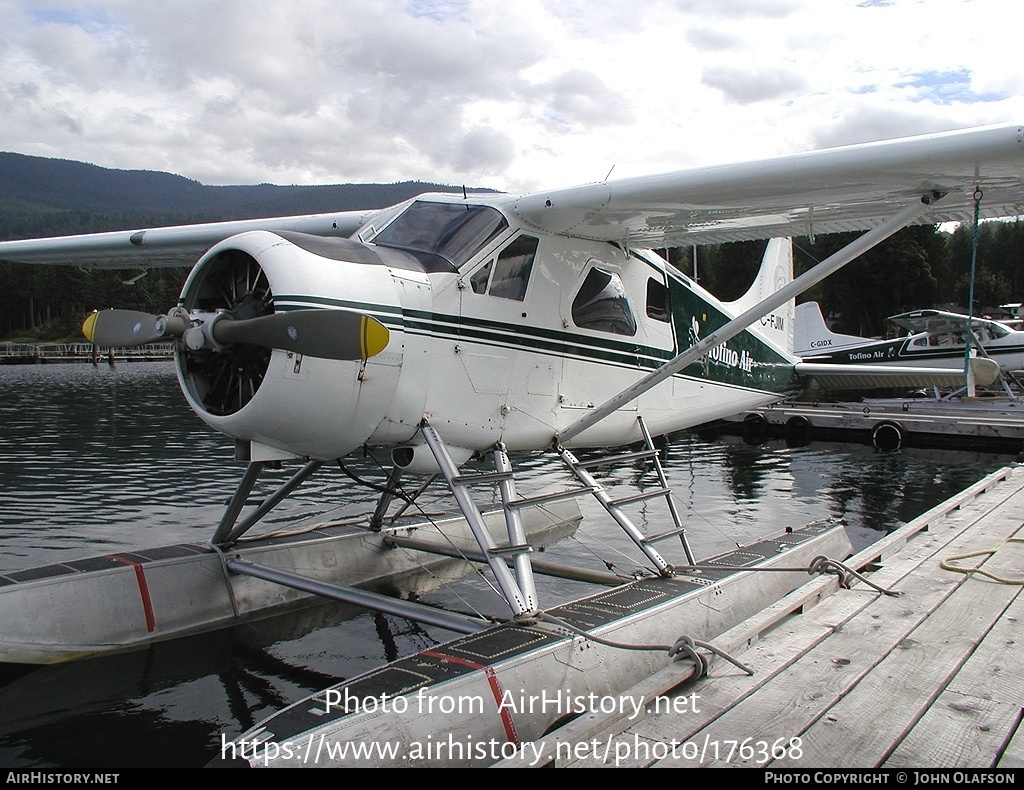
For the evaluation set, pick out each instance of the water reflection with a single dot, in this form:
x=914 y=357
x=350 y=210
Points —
x=94 y=459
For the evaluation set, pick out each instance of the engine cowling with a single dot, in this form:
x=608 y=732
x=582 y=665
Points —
x=305 y=406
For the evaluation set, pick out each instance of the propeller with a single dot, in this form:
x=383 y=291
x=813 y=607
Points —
x=130 y=328
x=328 y=334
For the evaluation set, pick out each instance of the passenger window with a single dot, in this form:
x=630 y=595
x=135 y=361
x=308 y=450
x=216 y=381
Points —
x=601 y=304
x=659 y=305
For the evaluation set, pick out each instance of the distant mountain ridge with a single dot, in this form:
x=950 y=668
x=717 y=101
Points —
x=33 y=185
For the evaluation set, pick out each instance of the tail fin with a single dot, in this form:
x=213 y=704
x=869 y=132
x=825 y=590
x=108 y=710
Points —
x=813 y=337
x=775 y=272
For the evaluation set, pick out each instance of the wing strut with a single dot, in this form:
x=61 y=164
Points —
x=834 y=262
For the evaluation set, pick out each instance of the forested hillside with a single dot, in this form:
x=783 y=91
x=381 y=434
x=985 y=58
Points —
x=53 y=197
x=917 y=268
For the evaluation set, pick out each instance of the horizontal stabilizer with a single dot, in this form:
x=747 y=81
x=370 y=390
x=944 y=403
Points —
x=866 y=377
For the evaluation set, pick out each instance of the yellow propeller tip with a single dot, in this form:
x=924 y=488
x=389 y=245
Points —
x=373 y=337
x=89 y=326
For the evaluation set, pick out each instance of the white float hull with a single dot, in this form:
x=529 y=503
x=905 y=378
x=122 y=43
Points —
x=479 y=698
x=128 y=600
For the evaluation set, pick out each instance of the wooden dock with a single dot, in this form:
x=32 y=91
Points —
x=852 y=678
x=42 y=353
x=994 y=424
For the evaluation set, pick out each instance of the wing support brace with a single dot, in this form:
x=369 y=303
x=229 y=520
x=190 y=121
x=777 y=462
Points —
x=797 y=286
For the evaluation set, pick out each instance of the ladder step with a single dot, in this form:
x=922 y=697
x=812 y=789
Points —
x=483 y=477
x=614 y=459
x=652 y=494
x=664 y=535
x=508 y=551
x=556 y=496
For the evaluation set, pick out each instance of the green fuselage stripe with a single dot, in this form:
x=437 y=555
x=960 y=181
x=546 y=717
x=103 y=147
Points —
x=747 y=363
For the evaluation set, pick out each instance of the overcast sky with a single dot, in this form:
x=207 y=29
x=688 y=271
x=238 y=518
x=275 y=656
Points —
x=514 y=95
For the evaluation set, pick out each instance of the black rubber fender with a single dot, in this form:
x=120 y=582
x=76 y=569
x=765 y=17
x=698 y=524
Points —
x=888 y=435
x=799 y=430
x=755 y=428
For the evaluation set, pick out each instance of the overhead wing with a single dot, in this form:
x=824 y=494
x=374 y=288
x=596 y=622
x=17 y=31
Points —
x=941 y=322
x=869 y=377
x=850 y=188
x=839 y=189
x=171 y=246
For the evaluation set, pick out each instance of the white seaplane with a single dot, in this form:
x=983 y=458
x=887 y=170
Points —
x=446 y=328
x=937 y=339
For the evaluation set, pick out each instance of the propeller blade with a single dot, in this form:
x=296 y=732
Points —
x=328 y=334
x=124 y=328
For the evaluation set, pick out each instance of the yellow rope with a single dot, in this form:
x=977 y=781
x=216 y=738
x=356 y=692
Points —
x=948 y=566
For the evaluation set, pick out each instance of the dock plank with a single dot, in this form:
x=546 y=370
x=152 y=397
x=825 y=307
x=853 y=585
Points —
x=828 y=671
x=861 y=728
x=1013 y=753
x=980 y=709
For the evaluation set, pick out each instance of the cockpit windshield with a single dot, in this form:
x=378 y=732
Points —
x=454 y=232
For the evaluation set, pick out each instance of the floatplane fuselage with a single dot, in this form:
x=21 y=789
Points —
x=937 y=339
x=506 y=336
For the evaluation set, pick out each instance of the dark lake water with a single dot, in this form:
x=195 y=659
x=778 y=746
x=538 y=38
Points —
x=95 y=460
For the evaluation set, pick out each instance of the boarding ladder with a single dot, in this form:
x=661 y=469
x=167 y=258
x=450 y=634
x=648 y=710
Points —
x=517 y=585
x=581 y=470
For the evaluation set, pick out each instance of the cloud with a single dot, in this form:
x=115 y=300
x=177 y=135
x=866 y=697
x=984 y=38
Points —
x=710 y=39
x=579 y=98
x=946 y=87
x=533 y=94
x=745 y=87
x=740 y=9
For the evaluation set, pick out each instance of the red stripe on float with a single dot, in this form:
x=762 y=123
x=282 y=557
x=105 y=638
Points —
x=492 y=680
x=140 y=577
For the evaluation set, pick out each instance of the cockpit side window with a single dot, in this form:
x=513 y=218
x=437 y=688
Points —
x=480 y=278
x=513 y=267
x=453 y=231
x=601 y=304
x=511 y=270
